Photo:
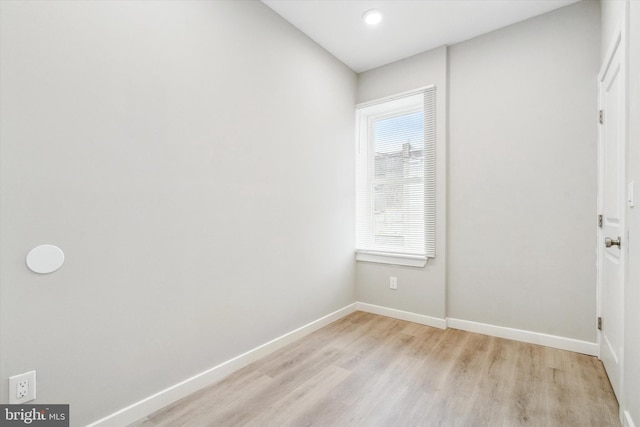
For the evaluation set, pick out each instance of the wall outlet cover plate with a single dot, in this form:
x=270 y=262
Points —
x=19 y=392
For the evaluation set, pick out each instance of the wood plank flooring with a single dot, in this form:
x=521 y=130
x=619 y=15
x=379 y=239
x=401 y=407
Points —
x=370 y=370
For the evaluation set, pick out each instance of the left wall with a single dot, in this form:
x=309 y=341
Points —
x=194 y=160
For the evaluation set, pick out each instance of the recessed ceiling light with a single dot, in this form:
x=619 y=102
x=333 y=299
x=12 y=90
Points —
x=372 y=16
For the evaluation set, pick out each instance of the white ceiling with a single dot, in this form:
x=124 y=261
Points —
x=408 y=27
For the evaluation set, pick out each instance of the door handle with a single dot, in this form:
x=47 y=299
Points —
x=608 y=242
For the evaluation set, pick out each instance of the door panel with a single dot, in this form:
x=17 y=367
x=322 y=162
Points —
x=612 y=190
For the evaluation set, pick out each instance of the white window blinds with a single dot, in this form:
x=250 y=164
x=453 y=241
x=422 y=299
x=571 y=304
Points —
x=395 y=177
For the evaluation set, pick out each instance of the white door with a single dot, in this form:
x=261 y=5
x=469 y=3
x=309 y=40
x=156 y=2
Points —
x=611 y=259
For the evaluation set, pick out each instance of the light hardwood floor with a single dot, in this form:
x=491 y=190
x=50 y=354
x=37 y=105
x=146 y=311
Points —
x=370 y=370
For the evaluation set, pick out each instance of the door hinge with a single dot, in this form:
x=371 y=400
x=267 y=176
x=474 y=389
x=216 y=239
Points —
x=599 y=323
x=600 y=221
x=601 y=117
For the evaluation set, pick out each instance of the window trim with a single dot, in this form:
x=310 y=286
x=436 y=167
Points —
x=407 y=260
x=396 y=258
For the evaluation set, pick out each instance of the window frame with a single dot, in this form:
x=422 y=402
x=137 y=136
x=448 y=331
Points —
x=366 y=114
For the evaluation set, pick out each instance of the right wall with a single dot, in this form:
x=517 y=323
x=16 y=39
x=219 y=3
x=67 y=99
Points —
x=522 y=175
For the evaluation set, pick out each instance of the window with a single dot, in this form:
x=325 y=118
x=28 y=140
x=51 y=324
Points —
x=395 y=179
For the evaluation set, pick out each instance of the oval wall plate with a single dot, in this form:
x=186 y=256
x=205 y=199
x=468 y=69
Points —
x=45 y=259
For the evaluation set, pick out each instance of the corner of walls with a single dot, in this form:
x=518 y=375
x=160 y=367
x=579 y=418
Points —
x=402 y=315
x=531 y=337
x=420 y=290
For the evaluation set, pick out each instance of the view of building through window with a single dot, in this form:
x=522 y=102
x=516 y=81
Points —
x=398 y=177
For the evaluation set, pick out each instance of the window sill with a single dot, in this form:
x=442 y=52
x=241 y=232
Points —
x=391 y=258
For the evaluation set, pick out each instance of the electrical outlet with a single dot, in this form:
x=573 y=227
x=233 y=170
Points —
x=393 y=282
x=22 y=388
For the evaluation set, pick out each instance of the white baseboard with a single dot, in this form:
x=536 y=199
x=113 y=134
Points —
x=585 y=347
x=402 y=315
x=628 y=421
x=176 y=392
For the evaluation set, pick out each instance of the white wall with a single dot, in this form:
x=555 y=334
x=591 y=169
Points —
x=522 y=178
x=523 y=175
x=153 y=141
x=178 y=152
x=420 y=290
x=613 y=12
